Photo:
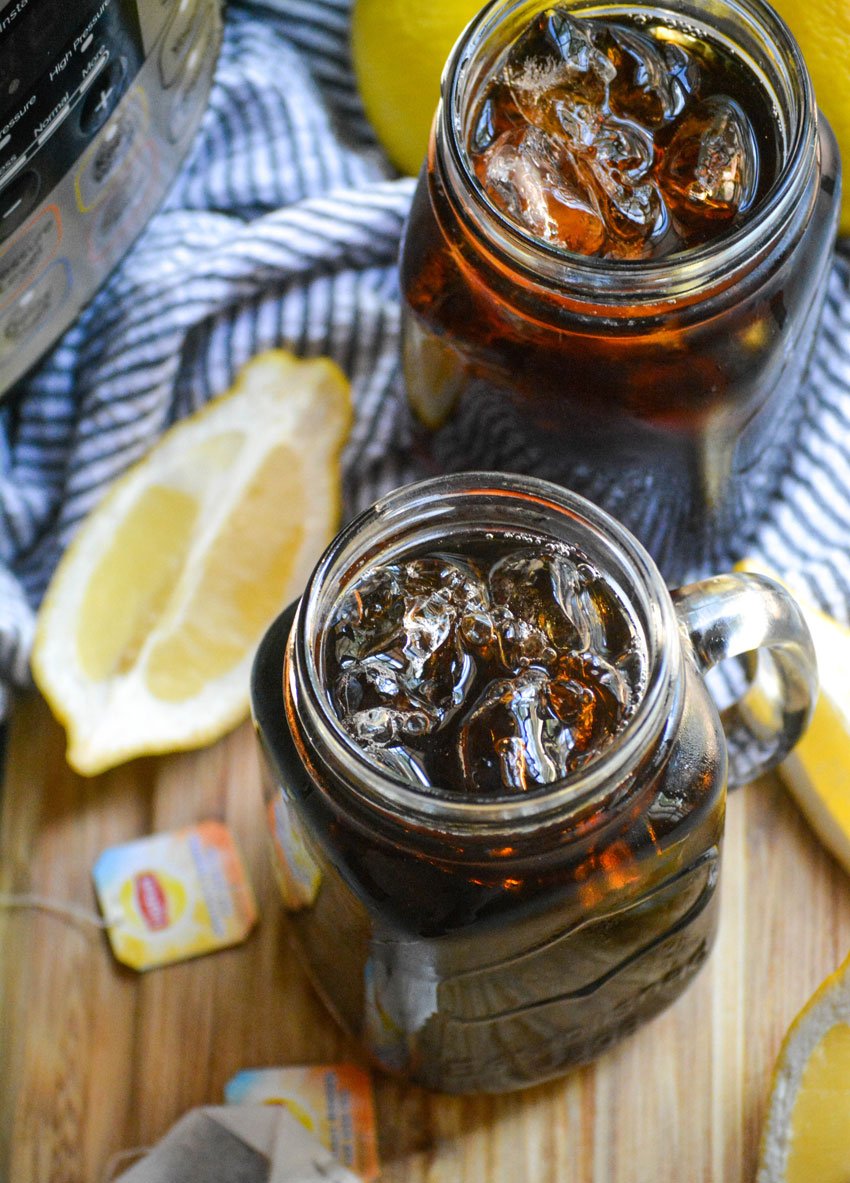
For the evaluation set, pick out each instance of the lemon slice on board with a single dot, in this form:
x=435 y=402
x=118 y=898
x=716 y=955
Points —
x=818 y=769
x=145 y=638
x=807 y=1135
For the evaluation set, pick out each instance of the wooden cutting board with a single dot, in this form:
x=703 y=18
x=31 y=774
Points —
x=95 y=1059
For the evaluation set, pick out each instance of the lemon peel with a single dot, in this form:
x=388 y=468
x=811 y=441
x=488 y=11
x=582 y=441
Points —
x=818 y=769
x=822 y=29
x=145 y=637
x=399 y=50
x=806 y=1136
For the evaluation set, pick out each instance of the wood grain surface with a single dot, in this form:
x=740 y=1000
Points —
x=95 y=1059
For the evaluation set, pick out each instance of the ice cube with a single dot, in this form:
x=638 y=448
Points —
x=710 y=168
x=376 y=706
x=533 y=728
x=536 y=586
x=376 y=678
x=536 y=182
x=368 y=615
x=590 y=691
x=521 y=643
x=403 y=763
x=622 y=147
x=459 y=579
x=382 y=725
x=438 y=594
x=556 y=54
x=510 y=739
x=498 y=114
x=614 y=160
x=477 y=632
x=396 y=641
x=635 y=215
x=653 y=79
x=592 y=606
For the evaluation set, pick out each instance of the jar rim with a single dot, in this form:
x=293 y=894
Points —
x=603 y=773
x=670 y=275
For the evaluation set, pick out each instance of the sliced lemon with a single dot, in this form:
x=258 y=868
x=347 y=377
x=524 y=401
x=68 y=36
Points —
x=145 y=638
x=818 y=770
x=807 y=1135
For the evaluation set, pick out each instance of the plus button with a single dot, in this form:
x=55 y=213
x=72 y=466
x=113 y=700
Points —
x=105 y=96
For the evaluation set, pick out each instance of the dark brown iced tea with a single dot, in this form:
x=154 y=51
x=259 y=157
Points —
x=496 y=779
x=489 y=955
x=615 y=263
x=494 y=671
x=621 y=139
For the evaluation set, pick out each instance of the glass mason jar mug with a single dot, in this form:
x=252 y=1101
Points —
x=666 y=388
x=481 y=937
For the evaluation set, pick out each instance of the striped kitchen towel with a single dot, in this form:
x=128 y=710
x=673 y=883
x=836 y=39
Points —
x=283 y=228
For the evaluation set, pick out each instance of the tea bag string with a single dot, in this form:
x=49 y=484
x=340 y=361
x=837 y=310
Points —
x=77 y=913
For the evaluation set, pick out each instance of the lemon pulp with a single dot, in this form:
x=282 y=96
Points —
x=820 y=1132
x=147 y=632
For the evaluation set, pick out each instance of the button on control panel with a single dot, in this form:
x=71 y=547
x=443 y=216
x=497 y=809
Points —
x=28 y=253
x=17 y=200
x=39 y=302
x=111 y=151
x=60 y=96
x=102 y=98
x=190 y=85
x=180 y=36
x=99 y=100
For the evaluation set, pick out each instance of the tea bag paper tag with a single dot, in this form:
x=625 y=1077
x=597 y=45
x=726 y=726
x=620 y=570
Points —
x=173 y=896
x=332 y=1102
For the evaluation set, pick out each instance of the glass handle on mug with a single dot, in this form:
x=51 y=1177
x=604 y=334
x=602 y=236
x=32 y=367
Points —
x=753 y=617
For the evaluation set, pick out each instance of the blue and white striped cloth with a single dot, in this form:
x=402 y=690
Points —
x=283 y=228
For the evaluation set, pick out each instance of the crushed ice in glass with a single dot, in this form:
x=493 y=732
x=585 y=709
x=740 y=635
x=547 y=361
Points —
x=494 y=674
x=602 y=139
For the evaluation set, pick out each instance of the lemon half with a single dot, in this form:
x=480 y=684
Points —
x=822 y=28
x=145 y=638
x=807 y=1135
x=399 y=50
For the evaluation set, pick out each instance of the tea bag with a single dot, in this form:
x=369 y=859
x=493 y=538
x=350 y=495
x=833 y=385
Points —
x=171 y=896
x=239 y=1144
x=333 y=1101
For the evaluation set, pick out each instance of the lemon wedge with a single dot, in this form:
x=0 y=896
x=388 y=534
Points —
x=145 y=638
x=818 y=770
x=807 y=1135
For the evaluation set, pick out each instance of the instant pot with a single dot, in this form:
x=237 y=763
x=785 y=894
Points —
x=98 y=102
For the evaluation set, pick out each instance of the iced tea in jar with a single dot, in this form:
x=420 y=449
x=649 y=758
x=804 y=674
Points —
x=616 y=258
x=496 y=781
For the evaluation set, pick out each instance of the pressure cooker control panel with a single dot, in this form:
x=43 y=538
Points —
x=99 y=100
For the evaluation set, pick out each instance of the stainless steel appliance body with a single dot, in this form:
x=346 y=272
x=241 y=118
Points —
x=99 y=100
